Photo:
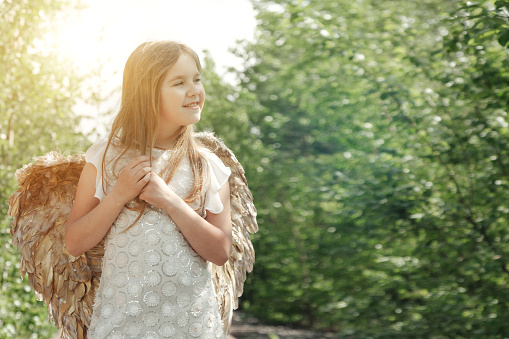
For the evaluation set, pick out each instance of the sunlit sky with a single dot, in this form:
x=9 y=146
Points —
x=106 y=32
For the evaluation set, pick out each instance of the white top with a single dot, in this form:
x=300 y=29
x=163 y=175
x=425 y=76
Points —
x=153 y=284
x=219 y=173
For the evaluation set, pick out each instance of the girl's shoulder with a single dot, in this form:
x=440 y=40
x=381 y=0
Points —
x=218 y=174
x=95 y=153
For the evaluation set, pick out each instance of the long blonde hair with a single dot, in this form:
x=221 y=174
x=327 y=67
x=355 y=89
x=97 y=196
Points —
x=136 y=124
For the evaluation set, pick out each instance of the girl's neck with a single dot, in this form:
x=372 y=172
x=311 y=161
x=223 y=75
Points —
x=166 y=142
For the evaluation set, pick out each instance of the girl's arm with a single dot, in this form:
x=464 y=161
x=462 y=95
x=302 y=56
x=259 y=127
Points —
x=90 y=219
x=211 y=237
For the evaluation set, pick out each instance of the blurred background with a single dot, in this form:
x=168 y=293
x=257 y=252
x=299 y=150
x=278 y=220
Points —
x=374 y=135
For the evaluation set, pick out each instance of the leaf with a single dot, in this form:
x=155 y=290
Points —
x=503 y=39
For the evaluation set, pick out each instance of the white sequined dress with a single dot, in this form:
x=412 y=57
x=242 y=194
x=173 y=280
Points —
x=153 y=284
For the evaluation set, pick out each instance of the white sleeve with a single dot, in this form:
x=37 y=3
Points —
x=94 y=155
x=218 y=175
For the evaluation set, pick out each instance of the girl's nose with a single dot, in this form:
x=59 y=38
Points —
x=194 y=90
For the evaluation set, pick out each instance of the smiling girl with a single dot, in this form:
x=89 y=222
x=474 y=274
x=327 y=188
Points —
x=161 y=200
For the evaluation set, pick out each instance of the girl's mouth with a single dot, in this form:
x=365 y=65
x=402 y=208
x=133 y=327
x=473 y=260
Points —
x=192 y=105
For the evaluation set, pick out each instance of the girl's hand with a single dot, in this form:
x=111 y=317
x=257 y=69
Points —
x=133 y=177
x=157 y=193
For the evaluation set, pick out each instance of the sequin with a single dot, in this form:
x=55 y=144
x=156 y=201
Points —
x=118 y=319
x=150 y=335
x=134 y=308
x=101 y=330
x=135 y=248
x=183 y=259
x=152 y=237
x=168 y=308
x=151 y=299
x=185 y=279
x=135 y=288
x=197 y=289
x=109 y=236
x=122 y=221
x=121 y=300
x=151 y=218
x=151 y=319
x=110 y=252
x=135 y=269
x=196 y=269
x=107 y=311
x=108 y=292
x=168 y=227
x=136 y=229
x=182 y=319
x=121 y=240
x=169 y=247
x=169 y=289
x=197 y=309
x=108 y=271
x=121 y=259
x=183 y=299
x=167 y=330
x=152 y=278
x=219 y=331
x=133 y=329
x=169 y=268
x=210 y=320
x=196 y=330
x=181 y=240
x=121 y=279
x=152 y=258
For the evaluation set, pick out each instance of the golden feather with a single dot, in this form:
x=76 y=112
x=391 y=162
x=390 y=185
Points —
x=40 y=208
x=229 y=279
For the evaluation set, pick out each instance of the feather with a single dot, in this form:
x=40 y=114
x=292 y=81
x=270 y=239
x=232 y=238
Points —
x=229 y=279
x=40 y=208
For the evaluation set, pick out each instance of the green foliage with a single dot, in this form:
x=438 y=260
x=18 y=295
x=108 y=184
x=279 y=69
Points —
x=374 y=135
x=381 y=192
x=38 y=93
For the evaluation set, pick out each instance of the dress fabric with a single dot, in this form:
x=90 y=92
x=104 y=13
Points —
x=153 y=284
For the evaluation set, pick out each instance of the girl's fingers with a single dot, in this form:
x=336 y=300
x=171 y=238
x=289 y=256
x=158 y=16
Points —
x=141 y=173
x=144 y=181
x=136 y=161
x=140 y=166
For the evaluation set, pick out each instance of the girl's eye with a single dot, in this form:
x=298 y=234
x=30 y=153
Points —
x=179 y=83
x=197 y=80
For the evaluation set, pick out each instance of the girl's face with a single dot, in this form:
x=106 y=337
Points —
x=182 y=96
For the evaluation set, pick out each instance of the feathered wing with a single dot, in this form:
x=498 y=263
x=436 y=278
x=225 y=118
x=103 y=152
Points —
x=40 y=208
x=229 y=278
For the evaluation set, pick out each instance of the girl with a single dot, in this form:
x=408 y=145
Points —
x=162 y=202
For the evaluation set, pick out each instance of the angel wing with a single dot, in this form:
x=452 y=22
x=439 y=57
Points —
x=229 y=279
x=67 y=284
x=40 y=208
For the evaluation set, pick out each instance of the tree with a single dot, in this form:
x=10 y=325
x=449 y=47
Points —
x=39 y=90
x=382 y=191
